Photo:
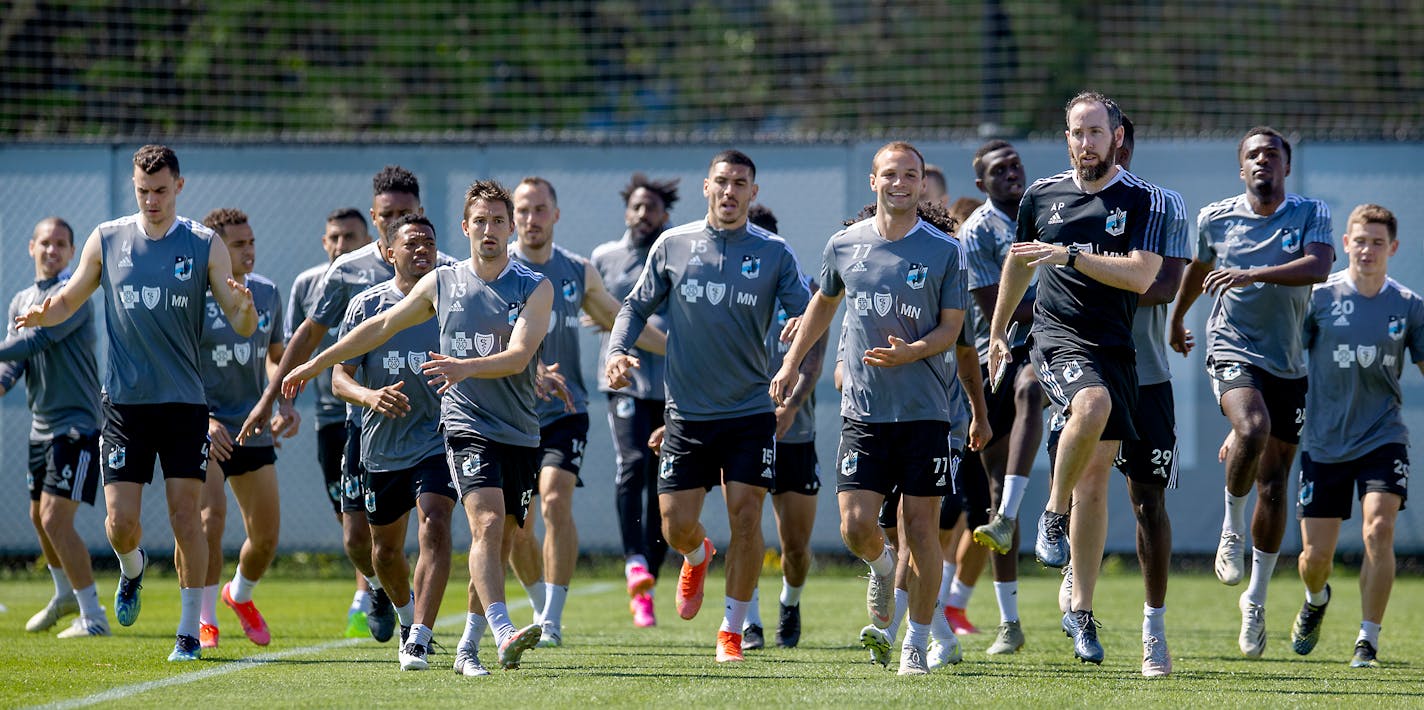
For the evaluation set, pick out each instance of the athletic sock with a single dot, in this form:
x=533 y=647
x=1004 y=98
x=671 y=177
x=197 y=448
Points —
x=241 y=587
x=1014 y=489
x=735 y=615
x=1369 y=631
x=88 y=599
x=556 y=595
x=1008 y=595
x=959 y=594
x=884 y=565
x=498 y=615
x=360 y=601
x=917 y=636
x=1235 y=520
x=1319 y=598
x=209 y=613
x=192 y=601
x=420 y=634
x=754 y=609
x=475 y=625
x=131 y=562
x=790 y=596
x=634 y=561
x=897 y=616
x=939 y=625
x=406 y=613
x=1154 y=621
x=373 y=582
x=946 y=578
x=1262 y=565
x=62 y=588
x=536 y=594
x=698 y=555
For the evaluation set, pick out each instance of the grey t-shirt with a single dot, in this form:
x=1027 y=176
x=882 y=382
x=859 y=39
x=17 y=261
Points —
x=476 y=320
x=402 y=442
x=1257 y=324
x=1357 y=352
x=63 y=378
x=234 y=368
x=894 y=288
x=721 y=288
x=306 y=292
x=566 y=271
x=803 y=425
x=620 y=263
x=153 y=308
x=987 y=235
x=1149 y=323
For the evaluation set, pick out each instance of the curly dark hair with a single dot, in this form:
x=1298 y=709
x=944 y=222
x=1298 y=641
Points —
x=394 y=178
x=153 y=158
x=664 y=189
x=223 y=217
x=931 y=212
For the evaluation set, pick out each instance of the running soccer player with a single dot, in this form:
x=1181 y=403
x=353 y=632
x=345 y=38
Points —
x=155 y=268
x=234 y=369
x=402 y=449
x=721 y=280
x=1099 y=227
x=1271 y=246
x=563 y=434
x=635 y=411
x=345 y=232
x=907 y=306
x=498 y=310
x=62 y=389
x=1357 y=326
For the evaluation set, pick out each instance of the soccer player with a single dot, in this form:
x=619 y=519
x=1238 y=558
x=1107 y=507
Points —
x=155 y=268
x=1014 y=397
x=721 y=280
x=907 y=304
x=62 y=389
x=1271 y=246
x=1098 y=227
x=1357 y=326
x=402 y=449
x=234 y=369
x=563 y=434
x=493 y=314
x=637 y=409
x=344 y=233
x=936 y=190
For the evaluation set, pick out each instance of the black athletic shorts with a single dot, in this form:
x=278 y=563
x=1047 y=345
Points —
x=330 y=447
x=1285 y=398
x=1002 y=408
x=704 y=454
x=1325 y=487
x=913 y=458
x=1063 y=372
x=563 y=442
x=353 y=474
x=797 y=469
x=391 y=494
x=66 y=466
x=173 y=433
x=951 y=505
x=477 y=462
x=1152 y=458
x=246 y=459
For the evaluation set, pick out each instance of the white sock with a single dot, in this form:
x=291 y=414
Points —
x=241 y=587
x=634 y=561
x=536 y=598
x=735 y=615
x=556 y=595
x=406 y=613
x=1154 y=621
x=754 y=608
x=209 y=613
x=918 y=635
x=939 y=625
x=698 y=555
x=1317 y=598
x=1262 y=565
x=88 y=599
x=1235 y=520
x=131 y=562
x=192 y=601
x=1369 y=631
x=946 y=578
x=498 y=615
x=1014 y=489
x=1008 y=595
x=790 y=596
x=959 y=594
x=374 y=582
x=361 y=601
x=897 y=617
x=62 y=588
x=884 y=565
x=420 y=634
x=475 y=625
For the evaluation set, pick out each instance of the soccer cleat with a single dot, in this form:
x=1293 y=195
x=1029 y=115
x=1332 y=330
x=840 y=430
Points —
x=550 y=635
x=879 y=598
x=1253 y=627
x=729 y=647
x=127 y=602
x=1065 y=590
x=945 y=653
x=1230 y=558
x=959 y=620
x=1051 y=544
x=467 y=663
x=753 y=637
x=404 y=634
x=640 y=580
x=1086 y=647
x=1364 y=655
x=356 y=625
x=186 y=648
x=912 y=661
x=788 y=629
x=252 y=622
x=690 y=582
x=207 y=636
x=1069 y=624
x=878 y=643
x=1306 y=631
x=1008 y=639
x=514 y=647
x=56 y=609
x=642 y=608
x=997 y=534
x=382 y=620
x=1156 y=661
x=412 y=657
x=84 y=627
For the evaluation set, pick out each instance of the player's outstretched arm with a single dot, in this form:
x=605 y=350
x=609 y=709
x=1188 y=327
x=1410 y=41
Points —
x=58 y=308
x=524 y=342
x=234 y=298
x=300 y=346
x=814 y=323
x=389 y=401
x=1013 y=284
x=1311 y=268
x=602 y=309
x=939 y=339
x=1193 y=277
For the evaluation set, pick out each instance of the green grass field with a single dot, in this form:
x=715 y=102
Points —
x=606 y=661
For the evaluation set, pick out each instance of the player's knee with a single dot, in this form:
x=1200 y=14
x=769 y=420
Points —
x=36 y=517
x=185 y=521
x=355 y=540
x=386 y=555
x=1378 y=533
x=1028 y=396
x=1092 y=406
x=1149 y=505
x=1272 y=490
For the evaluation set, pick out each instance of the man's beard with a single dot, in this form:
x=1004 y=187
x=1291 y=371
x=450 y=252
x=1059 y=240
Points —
x=1095 y=172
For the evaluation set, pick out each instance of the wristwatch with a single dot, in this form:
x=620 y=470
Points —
x=1072 y=255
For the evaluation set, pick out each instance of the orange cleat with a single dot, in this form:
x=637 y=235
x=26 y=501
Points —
x=958 y=621
x=207 y=636
x=729 y=647
x=690 y=582
x=252 y=622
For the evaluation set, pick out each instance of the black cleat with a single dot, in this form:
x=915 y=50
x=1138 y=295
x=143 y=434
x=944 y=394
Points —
x=382 y=619
x=753 y=637
x=1306 y=631
x=788 y=629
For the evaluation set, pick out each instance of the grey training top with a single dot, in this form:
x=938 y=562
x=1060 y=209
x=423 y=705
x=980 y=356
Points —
x=987 y=235
x=1149 y=323
x=567 y=272
x=894 y=288
x=153 y=308
x=234 y=368
x=1356 y=346
x=803 y=425
x=1258 y=324
x=63 y=378
x=306 y=292
x=476 y=320
x=399 y=443
x=721 y=288
x=620 y=263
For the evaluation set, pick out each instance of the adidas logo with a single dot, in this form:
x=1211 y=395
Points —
x=694 y=261
x=1342 y=320
x=457 y=308
x=1055 y=219
x=941 y=481
x=859 y=266
x=766 y=473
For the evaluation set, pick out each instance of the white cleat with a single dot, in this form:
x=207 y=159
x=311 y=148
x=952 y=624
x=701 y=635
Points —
x=1230 y=558
x=551 y=635
x=413 y=657
x=1253 y=627
x=879 y=599
x=84 y=627
x=943 y=654
x=467 y=663
x=877 y=643
x=56 y=609
x=1156 y=660
x=912 y=661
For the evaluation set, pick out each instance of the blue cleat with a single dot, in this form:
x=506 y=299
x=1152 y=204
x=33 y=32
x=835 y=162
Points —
x=1051 y=545
x=186 y=649
x=127 y=602
x=1086 y=647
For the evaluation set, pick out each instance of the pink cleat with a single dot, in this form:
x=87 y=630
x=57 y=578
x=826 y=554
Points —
x=640 y=580
x=642 y=607
x=252 y=622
